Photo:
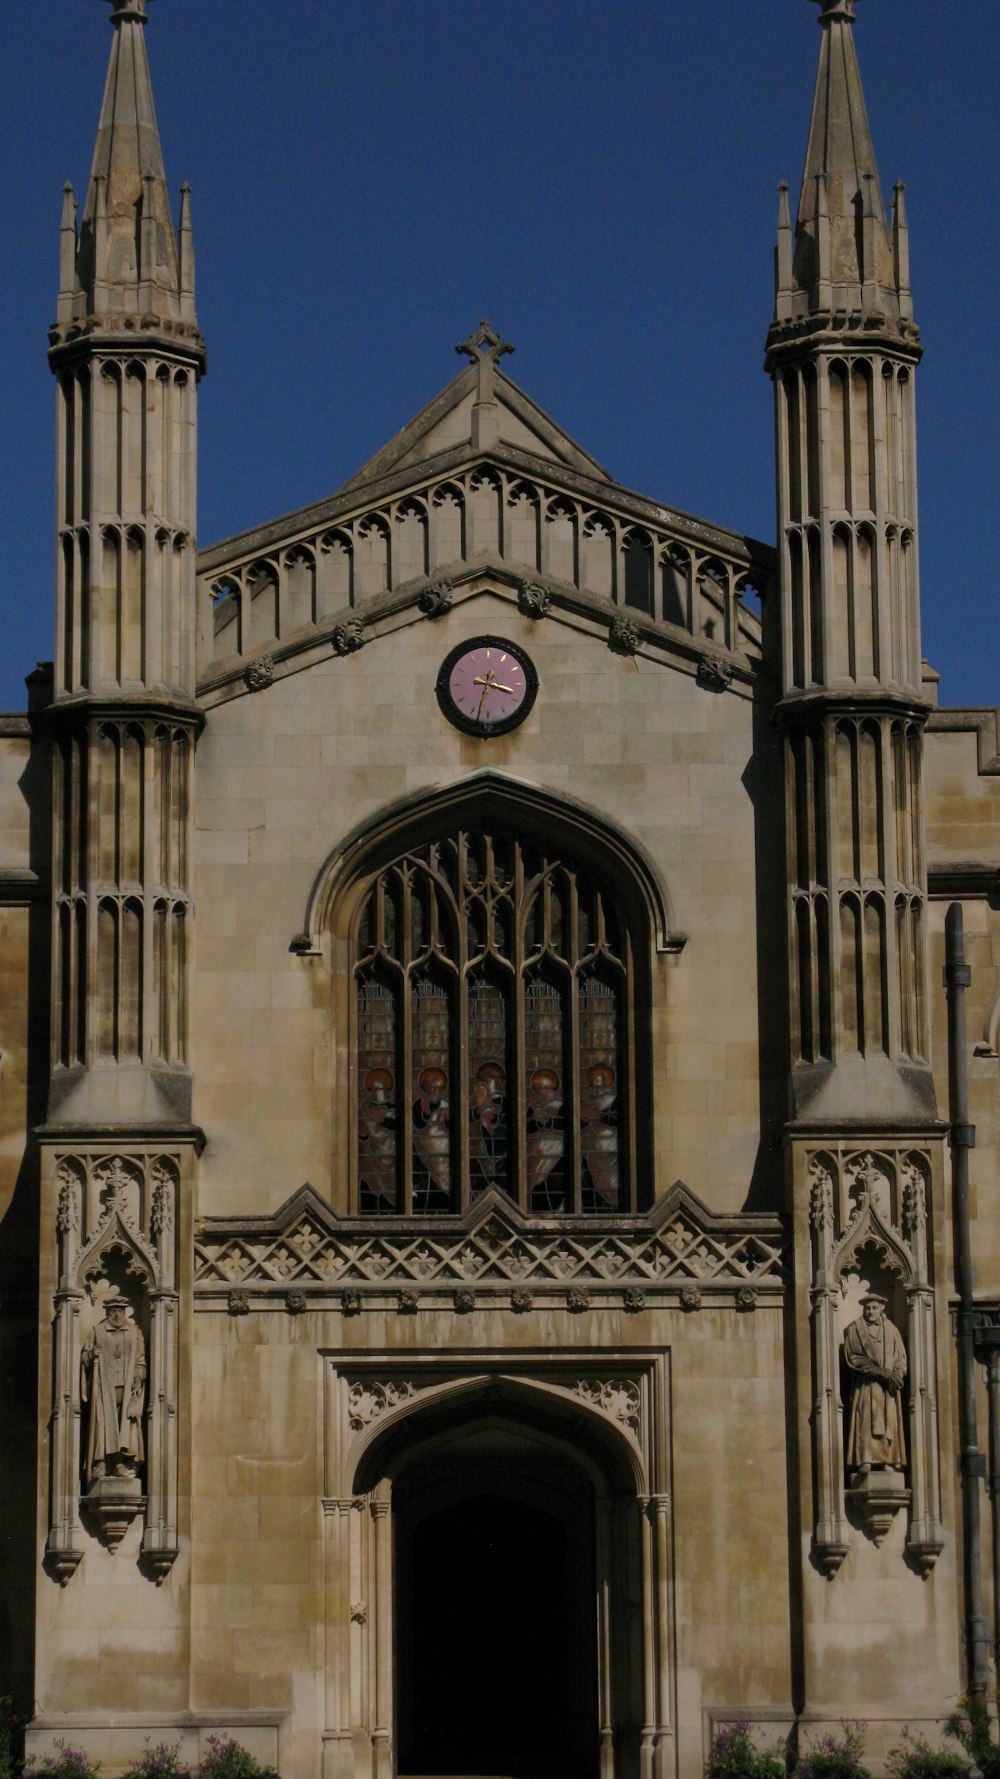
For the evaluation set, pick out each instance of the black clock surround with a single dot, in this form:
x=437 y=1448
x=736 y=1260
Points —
x=462 y=719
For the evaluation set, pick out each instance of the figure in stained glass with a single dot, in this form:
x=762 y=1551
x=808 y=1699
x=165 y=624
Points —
x=431 y=1141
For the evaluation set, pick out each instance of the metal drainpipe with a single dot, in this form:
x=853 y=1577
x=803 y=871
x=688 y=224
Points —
x=962 y=1137
x=993 y=1380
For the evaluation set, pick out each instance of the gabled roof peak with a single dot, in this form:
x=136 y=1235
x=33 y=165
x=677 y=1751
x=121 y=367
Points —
x=480 y=409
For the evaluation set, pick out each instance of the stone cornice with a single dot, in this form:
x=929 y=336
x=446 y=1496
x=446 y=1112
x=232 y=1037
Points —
x=19 y=887
x=811 y=335
x=983 y=722
x=384 y=612
x=149 y=336
x=969 y=879
x=123 y=707
x=845 y=700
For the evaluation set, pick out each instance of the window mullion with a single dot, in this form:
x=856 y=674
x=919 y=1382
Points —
x=406 y=1049
x=571 y=1087
x=461 y=1086
x=629 y=1199
x=517 y=1122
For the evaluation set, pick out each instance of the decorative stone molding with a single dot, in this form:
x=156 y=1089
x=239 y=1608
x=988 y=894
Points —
x=868 y=1212
x=690 y=1298
x=406 y=1303
x=296 y=1302
x=437 y=599
x=114 y=1222
x=521 y=1301
x=533 y=600
x=238 y=1303
x=624 y=635
x=367 y=1401
x=577 y=1301
x=634 y=1301
x=618 y=1398
x=493 y=1249
x=709 y=567
x=349 y=637
x=259 y=673
x=464 y=1302
x=746 y=1300
x=714 y=675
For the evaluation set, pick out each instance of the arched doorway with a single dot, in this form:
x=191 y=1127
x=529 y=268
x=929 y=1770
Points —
x=499 y=1574
x=495 y=1632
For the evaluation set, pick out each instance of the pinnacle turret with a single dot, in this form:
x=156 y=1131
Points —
x=127 y=262
x=844 y=261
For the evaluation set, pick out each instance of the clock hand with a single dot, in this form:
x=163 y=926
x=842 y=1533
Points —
x=492 y=685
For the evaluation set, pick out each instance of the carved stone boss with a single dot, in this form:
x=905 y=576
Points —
x=116 y=1220
x=868 y=1215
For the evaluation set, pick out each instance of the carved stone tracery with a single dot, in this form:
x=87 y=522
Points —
x=678 y=1245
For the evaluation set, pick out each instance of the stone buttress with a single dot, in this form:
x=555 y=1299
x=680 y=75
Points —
x=864 y=1140
x=118 y=1147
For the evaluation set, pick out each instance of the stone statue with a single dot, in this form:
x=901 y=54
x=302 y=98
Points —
x=113 y=1373
x=876 y=1359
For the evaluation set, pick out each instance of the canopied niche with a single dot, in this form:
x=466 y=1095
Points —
x=114 y=1450
x=875 y=1432
x=424 y=1460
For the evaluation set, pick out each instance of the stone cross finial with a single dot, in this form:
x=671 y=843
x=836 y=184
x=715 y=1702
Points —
x=835 y=9
x=483 y=349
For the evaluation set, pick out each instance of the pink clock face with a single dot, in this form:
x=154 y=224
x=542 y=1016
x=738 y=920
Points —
x=487 y=684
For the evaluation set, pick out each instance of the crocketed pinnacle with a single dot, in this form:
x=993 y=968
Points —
x=843 y=257
x=127 y=262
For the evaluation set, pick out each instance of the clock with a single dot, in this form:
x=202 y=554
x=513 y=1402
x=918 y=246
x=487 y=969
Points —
x=486 y=686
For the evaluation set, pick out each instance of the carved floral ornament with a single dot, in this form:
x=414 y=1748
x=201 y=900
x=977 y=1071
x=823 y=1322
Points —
x=618 y=1397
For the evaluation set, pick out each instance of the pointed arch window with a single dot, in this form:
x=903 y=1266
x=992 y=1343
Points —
x=495 y=995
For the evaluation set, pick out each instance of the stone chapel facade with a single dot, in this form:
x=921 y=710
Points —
x=475 y=1250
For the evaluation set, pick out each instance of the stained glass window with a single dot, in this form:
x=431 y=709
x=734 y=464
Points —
x=494 y=988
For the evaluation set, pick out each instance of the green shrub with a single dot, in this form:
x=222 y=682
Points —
x=69 y=1763
x=970 y=1725
x=11 y=1740
x=835 y=1757
x=914 y=1758
x=735 y=1755
x=161 y=1762
x=227 y=1759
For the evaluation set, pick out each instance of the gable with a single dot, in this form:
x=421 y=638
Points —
x=481 y=490
x=455 y=418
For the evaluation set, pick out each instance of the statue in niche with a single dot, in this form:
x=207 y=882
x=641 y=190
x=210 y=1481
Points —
x=876 y=1360
x=113 y=1376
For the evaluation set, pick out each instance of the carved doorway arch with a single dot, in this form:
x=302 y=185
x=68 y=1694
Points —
x=565 y=1445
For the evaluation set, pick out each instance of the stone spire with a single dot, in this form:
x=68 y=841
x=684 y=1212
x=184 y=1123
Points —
x=127 y=261
x=127 y=357
x=844 y=261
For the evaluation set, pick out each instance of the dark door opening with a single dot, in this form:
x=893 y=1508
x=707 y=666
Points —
x=495 y=1659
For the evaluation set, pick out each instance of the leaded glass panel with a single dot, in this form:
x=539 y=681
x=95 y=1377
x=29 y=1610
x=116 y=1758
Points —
x=493 y=987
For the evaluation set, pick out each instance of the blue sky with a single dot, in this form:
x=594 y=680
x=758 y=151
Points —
x=599 y=181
